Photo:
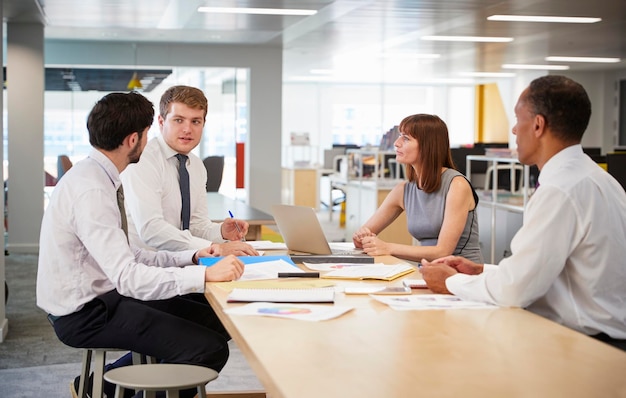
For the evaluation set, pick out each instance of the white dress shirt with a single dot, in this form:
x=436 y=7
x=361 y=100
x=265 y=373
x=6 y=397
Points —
x=83 y=251
x=153 y=202
x=568 y=259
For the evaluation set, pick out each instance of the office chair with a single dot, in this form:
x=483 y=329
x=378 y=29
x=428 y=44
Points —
x=63 y=165
x=215 y=169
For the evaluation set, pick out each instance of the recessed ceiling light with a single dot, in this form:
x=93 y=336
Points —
x=584 y=59
x=487 y=74
x=535 y=67
x=407 y=55
x=264 y=11
x=539 y=18
x=484 y=39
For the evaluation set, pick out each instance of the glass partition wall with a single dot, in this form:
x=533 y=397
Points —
x=65 y=117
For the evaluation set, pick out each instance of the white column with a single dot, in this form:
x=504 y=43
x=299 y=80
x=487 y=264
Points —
x=25 y=100
x=4 y=323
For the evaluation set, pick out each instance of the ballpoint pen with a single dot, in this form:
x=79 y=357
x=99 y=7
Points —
x=243 y=238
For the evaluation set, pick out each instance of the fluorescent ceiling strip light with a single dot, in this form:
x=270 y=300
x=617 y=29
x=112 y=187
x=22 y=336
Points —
x=584 y=59
x=535 y=67
x=399 y=55
x=264 y=11
x=482 y=39
x=539 y=18
x=487 y=74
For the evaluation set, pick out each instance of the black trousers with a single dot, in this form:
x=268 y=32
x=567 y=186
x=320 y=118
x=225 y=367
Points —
x=182 y=329
x=620 y=344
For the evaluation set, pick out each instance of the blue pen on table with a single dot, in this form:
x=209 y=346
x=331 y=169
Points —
x=237 y=226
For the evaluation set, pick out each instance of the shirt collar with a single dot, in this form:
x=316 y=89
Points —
x=107 y=165
x=551 y=168
x=166 y=149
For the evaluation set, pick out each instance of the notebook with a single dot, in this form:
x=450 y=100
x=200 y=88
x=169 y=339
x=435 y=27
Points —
x=305 y=238
x=377 y=271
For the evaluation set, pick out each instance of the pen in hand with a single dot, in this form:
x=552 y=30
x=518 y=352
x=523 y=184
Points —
x=243 y=238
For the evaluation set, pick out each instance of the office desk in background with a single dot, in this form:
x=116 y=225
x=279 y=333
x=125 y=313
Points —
x=375 y=351
x=219 y=205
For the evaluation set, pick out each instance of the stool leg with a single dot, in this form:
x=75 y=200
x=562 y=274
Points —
x=119 y=391
x=84 y=373
x=201 y=391
x=150 y=394
x=98 y=373
x=138 y=359
x=171 y=393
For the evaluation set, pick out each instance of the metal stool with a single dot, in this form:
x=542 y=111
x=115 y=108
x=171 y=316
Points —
x=98 y=372
x=151 y=378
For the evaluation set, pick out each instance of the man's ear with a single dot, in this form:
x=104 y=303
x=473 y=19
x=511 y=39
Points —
x=131 y=139
x=539 y=125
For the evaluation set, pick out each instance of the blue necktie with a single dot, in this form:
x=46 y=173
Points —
x=183 y=181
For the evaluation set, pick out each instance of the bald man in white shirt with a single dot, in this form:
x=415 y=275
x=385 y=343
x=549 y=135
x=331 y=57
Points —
x=567 y=262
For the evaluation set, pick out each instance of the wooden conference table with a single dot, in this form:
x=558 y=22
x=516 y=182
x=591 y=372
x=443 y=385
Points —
x=219 y=205
x=375 y=351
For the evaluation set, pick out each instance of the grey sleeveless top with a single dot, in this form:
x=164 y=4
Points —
x=424 y=214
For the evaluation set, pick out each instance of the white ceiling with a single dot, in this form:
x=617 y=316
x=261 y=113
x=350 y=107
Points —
x=351 y=36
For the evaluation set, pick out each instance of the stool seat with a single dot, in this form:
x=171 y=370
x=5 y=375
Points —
x=161 y=377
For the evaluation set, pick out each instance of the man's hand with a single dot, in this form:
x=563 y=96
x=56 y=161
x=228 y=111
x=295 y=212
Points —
x=233 y=229
x=435 y=275
x=237 y=248
x=461 y=264
x=227 y=269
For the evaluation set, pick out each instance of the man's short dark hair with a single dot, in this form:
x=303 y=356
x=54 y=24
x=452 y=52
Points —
x=116 y=116
x=563 y=103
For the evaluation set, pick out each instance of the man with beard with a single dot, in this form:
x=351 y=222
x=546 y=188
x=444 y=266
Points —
x=97 y=289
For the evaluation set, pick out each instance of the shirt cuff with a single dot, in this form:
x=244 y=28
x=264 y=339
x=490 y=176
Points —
x=192 y=279
x=455 y=283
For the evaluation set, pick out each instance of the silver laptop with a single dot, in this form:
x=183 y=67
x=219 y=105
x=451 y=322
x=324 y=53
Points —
x=305 y=239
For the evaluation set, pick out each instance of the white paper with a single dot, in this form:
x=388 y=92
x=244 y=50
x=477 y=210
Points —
x=267 y=270
x=430 y=302
x=344 y=248
x=334 y=266
x=302 y=312
x=266 y=245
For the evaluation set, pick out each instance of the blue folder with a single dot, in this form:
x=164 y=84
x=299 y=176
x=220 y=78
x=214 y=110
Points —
x=208 y=261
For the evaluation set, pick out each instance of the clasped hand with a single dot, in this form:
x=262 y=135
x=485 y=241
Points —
x=436 y=272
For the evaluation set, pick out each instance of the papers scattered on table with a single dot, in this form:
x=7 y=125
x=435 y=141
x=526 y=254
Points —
x=371 y=271
x=314 y=295
x=303 y=312
x=332 y=266
x=266 y=245
x=430 y=302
